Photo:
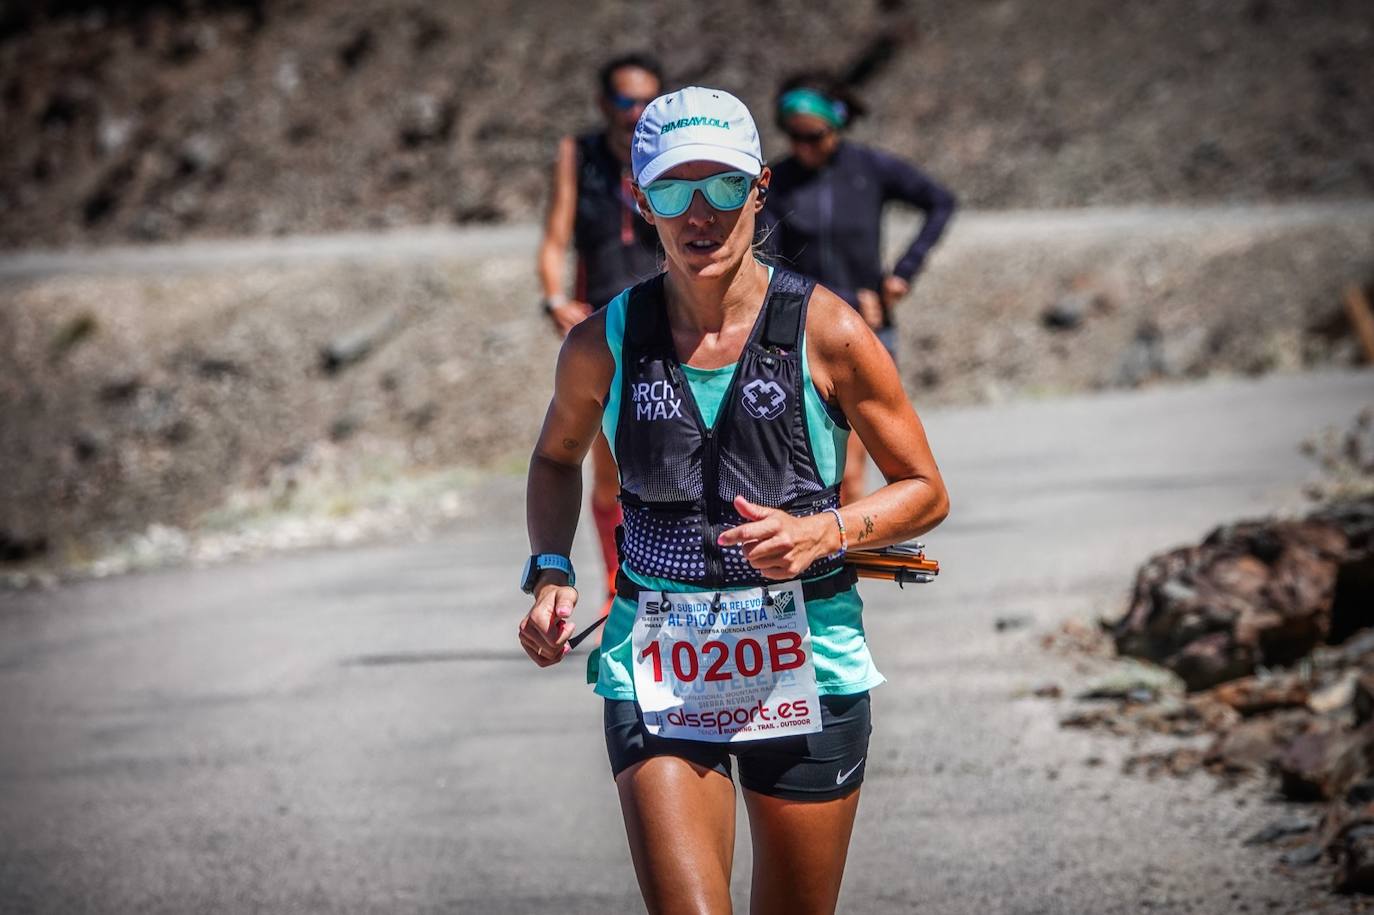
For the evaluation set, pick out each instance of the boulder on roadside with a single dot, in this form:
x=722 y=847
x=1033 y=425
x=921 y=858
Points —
x=1325 y=761
x=1354 y=853
x=1269 y=625
x=1256 y=744
x=1257 y=593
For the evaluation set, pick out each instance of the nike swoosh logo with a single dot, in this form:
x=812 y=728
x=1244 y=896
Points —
x=839 y=779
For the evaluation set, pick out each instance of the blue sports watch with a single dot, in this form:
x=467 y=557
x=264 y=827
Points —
x=541 y=561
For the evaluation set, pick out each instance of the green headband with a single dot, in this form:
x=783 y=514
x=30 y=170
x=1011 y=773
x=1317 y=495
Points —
x=809 y=101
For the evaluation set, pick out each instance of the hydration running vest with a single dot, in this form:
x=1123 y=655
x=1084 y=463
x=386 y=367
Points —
x=678 y=478
x=615 y=247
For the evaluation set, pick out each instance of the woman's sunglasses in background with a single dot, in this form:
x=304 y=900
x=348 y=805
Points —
x=807 y=136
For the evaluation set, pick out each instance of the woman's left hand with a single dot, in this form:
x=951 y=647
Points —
x=779 y=545
x=894 y=290
x=871 y=307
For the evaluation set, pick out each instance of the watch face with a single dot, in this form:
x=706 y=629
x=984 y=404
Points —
x=527 y=576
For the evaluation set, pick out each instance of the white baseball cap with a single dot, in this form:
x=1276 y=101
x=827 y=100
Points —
x=694 y=125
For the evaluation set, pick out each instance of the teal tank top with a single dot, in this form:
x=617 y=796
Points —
x=838 y=646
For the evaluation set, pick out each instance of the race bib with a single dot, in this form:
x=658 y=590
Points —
x=728 y=669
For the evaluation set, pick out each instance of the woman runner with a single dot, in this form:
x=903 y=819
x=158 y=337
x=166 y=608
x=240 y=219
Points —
x=727 y=389
x=825 y=214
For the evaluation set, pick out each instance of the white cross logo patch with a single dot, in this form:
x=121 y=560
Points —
x=764 y=399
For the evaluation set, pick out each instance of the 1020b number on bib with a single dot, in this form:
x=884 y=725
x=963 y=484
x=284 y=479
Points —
x=783 y=651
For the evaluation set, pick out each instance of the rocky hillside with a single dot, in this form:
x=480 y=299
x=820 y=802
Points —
x=139 y=121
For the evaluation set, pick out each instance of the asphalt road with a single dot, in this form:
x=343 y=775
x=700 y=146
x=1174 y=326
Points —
x=356 y=730
x=517 y=240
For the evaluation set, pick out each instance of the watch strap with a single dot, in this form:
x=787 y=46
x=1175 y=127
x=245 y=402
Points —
x=541 y=561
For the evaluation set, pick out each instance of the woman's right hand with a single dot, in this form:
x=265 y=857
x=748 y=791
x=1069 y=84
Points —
x=569 y=314
x=545 y=630
x=871 y=307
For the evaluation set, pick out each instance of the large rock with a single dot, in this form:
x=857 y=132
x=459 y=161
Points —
x=1256 y=744
x=1354 y=852
x=1254 y=593
x=1322 y=763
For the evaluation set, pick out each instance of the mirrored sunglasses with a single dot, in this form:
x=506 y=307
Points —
x=669 y=197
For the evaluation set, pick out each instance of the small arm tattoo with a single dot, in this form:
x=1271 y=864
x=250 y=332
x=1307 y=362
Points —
x=867 y=529
x=570 y=443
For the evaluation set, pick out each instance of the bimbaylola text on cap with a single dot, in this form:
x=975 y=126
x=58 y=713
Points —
x=695 y=124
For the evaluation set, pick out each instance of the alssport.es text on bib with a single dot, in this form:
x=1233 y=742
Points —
x=727 y=666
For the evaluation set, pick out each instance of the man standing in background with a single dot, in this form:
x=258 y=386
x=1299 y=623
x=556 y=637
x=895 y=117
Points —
x=592 y=207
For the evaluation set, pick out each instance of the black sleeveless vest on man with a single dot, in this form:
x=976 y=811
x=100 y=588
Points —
x=678 y=478
x=615 y=247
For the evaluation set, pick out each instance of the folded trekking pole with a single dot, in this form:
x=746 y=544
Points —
x=902 y=562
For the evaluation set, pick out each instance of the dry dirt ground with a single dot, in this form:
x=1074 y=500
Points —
x=209 y=385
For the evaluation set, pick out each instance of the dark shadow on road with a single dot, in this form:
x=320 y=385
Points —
x=429 y=657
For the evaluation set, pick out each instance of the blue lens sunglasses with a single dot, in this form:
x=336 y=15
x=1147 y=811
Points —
x=669 y=197
x=627 y=102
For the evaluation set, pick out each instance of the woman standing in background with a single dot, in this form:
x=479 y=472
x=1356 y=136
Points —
x=824 y=215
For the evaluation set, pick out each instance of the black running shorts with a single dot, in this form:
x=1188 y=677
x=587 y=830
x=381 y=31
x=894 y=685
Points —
x=805 y=767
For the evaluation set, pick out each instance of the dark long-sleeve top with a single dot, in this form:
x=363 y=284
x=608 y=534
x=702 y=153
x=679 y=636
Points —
x=826 y=223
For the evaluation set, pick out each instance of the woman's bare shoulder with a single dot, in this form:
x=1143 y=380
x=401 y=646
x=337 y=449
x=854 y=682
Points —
x=835 y=331
x=585 y=346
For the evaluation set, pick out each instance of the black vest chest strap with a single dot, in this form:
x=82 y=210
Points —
x=647 y=328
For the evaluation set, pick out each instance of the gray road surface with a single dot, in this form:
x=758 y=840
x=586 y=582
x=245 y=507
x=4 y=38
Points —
x=483 y=242
x=356 y=731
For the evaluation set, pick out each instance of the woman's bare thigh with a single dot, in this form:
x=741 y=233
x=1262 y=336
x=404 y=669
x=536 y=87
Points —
x=680 y=821
x=800 y=848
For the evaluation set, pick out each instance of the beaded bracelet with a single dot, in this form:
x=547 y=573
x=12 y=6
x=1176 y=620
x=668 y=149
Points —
x=844 y=538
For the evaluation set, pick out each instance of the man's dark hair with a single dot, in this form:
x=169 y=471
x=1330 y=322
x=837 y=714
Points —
x=639 y=59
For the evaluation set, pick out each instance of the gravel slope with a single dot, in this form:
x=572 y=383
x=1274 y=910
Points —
x=147 y=121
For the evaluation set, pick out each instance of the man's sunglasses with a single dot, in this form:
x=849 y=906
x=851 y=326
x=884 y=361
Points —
x=807 y=136
x=627 y=102
x=669 y=197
